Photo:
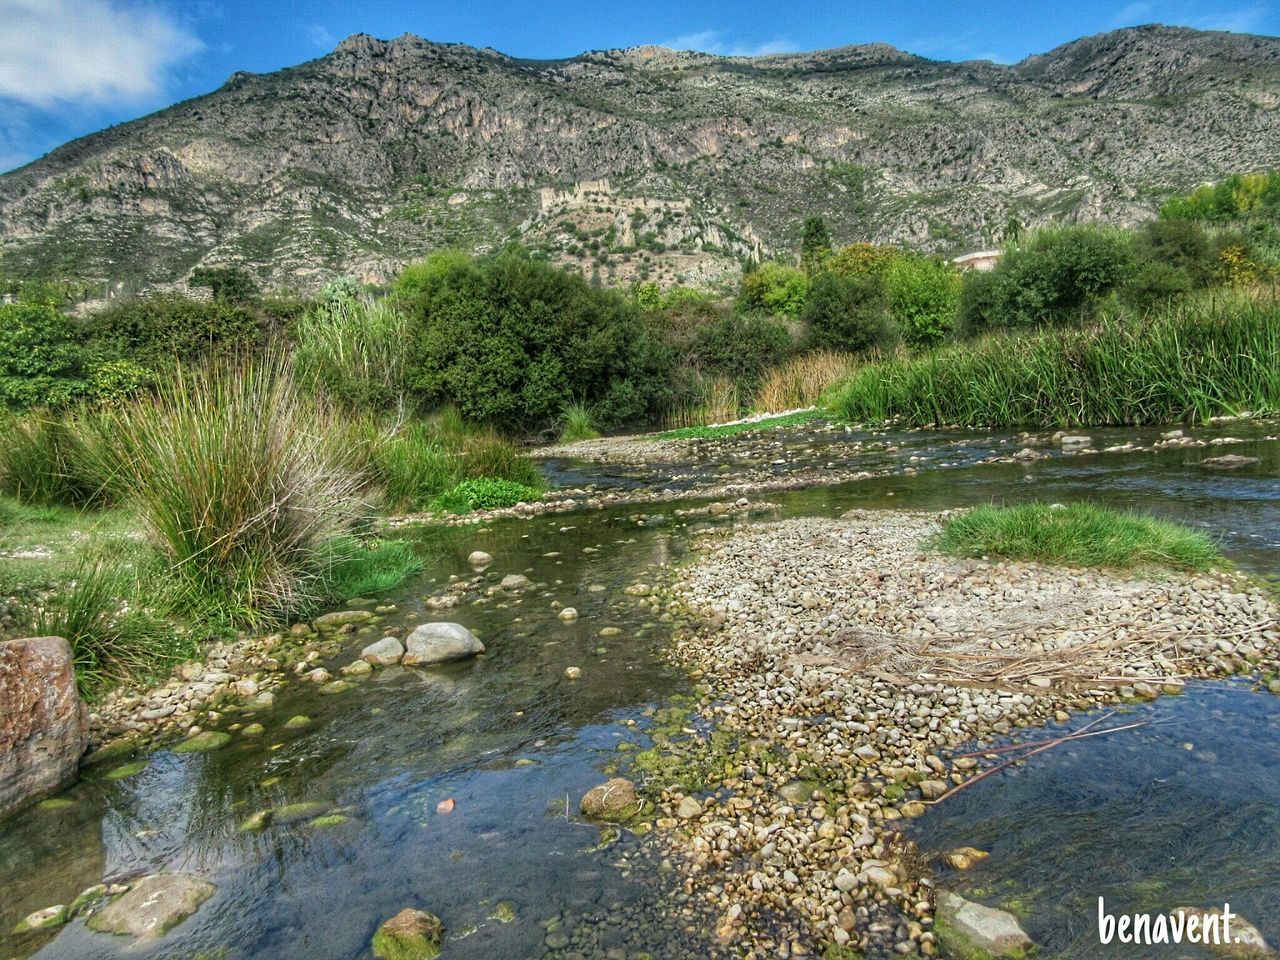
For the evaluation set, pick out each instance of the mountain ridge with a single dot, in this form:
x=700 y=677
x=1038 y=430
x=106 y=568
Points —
x=376 y=153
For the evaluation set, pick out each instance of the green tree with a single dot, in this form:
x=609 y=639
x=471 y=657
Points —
x=924 y=296
x=775 y=288
x=42 y=364
x=815 y=244
x=846 y=312
x=227 y=284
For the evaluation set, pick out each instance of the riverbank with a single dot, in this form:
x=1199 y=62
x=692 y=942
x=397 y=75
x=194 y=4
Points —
x=842 y=666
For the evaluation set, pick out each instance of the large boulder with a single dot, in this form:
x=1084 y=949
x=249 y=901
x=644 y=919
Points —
x=440 y=643
x=966 y=926
x=153 y=906
x=44 y=726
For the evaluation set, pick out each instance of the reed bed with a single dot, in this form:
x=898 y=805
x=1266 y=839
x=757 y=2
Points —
x=1193 y=360
x=802 y=380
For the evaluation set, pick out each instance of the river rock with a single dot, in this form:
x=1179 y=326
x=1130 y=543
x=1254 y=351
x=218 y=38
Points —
x=1074 y=441
x=340 y=618
x=614 y=800
x=440 y=643
x=384 y=653
x=409 y=935
x=153 y=906
x=1231 y=461
x=568 y=614
x=967 y=926
x=44 y=919
x=479 y=560
x=689 y=809
x=44 y=726
x=962 y=858
x=1248 y=941
x=515 y=581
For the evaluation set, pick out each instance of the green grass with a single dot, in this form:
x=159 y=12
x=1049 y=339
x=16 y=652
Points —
x=732 y=429
x=1081 y=534
x=484 y=494
x=1207 y=356
x=577 y=423
x=364 y=569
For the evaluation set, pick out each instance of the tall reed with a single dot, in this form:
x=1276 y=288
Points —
x=800 y=381
x=355 y=349
x=1185 y=363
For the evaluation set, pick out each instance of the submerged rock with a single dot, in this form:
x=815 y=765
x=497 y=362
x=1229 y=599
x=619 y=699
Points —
x=153 y=906
x=479 y=560
x=203 y=742
x=516 y=581
x=962 y=858
x=614 y=800
x=967 y=926
x=409 y=935
x=1231 y=461
x=44 y=919
x=440 y=643
x=1246 y=943
x=43 y=725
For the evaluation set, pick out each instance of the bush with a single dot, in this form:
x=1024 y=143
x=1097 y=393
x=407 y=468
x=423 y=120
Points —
x=1080 y=534
x=863 y=260
x=924 y=295
x=1059 y=275
x=739 y=347
x=1179 y=245
x=776 y=289
x=510 y=341
x=847 y=312
x=41 y=361
x=239 y=488
x=1156 y=283
x=484 y=494
x=159 y=329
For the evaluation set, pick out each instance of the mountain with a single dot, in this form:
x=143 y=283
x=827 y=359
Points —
x=637 y=162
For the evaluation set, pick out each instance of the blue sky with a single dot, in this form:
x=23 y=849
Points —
x=69 y=67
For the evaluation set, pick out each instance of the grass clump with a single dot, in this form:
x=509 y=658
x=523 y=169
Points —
x=1081 y=534
x=577 y=423
x=484 y=493
x=1185 y=362
x=113 y=637
x=361 y=569
x=240 y=490
x=732 y=429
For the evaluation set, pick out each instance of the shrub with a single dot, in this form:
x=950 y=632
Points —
x=862 y=260
x=227 y=284
x=775 y=288
x=1080 y=534
x=1179 y=245
x=41 y=362
x=739 y=347
x=238 y=487
x=1156 y=283
x=161 y=328
x=1059 y=275
x=510 y=341
x=924 y=295
x=847 y=313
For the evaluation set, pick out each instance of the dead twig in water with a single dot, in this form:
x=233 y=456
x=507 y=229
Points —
x=1054 y=741
x=1008 y=763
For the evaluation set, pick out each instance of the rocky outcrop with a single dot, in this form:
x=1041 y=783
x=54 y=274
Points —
x=44 y=725
x=886 y=145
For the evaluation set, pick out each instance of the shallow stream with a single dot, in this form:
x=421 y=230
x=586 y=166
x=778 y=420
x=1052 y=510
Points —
x=509 y=739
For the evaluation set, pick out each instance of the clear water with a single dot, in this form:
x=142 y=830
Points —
x=387 y=752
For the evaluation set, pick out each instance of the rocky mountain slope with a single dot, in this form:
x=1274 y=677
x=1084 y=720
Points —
x=380 y=151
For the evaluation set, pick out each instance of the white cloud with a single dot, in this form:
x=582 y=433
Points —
x=87 y=51
x=1131 y=14
x=321 y=37
x=715 y=42
x=1240 y=20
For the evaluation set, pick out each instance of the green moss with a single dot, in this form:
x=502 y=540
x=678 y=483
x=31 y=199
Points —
x=504 y=911
x=328 y=820
x=203 y=742
x=127 y=770
x=55 y=803
x=409 y=941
